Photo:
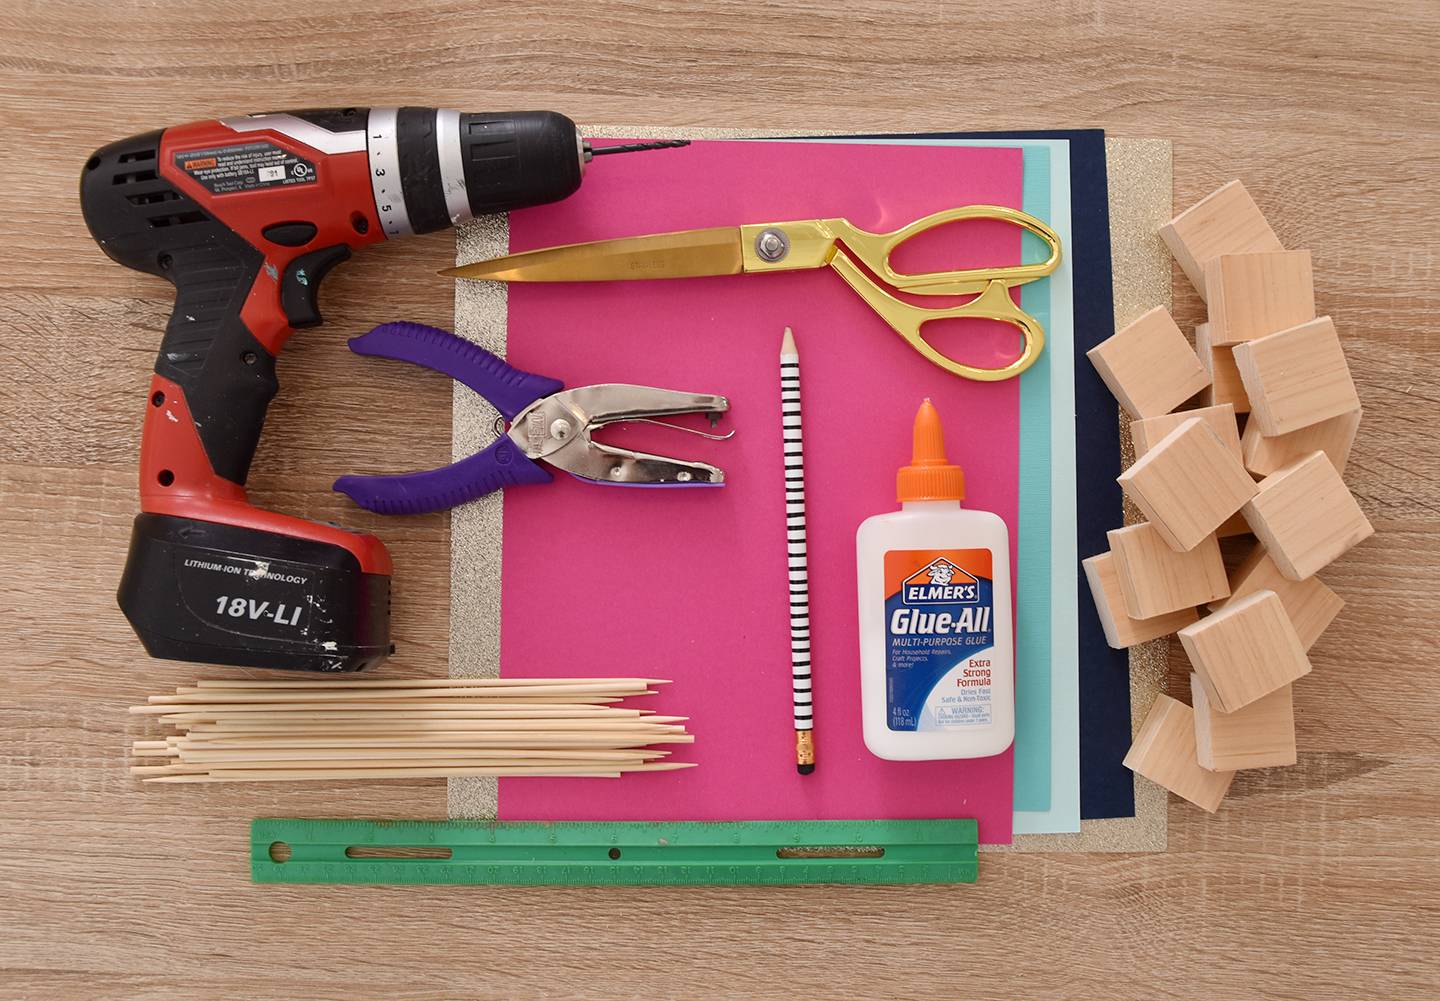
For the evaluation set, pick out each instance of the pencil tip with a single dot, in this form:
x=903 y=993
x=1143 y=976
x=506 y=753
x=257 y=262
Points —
x=787 y=346
x=805 y=769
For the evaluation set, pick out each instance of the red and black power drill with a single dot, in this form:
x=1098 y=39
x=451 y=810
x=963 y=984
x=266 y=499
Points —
x=245 y=216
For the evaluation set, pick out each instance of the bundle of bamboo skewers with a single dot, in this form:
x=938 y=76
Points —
x=343 y=728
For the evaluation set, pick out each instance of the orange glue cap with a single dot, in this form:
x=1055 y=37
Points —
x=930 y=476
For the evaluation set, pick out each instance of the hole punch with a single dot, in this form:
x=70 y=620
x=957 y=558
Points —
x=547 y=423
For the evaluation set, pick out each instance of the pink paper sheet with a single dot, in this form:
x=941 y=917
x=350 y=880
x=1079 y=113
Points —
x=690 y=584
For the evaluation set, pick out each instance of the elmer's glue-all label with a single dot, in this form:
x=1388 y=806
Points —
x=939 y=638
x=936 y=630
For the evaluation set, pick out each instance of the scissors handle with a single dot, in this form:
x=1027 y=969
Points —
x=991 y=286
x=816 y=242
x=907 y=320
x=875 y=249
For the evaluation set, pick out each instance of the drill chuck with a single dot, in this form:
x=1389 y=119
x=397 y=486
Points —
x=432 y=168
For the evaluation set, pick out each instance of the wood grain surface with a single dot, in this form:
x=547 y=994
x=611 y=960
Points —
x=1318 y=881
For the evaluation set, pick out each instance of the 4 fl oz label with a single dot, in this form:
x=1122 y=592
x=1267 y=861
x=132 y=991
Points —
x=939 y=636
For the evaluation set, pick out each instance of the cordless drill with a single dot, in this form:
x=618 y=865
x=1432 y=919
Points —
x=245 y=216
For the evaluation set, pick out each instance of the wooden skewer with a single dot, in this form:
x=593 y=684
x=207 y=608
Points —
x=426 y=739
x=400 y=739
x=451 y=726
x=384 y=731
x=405 y=705
x=344 y=768
x=284 y=719
x=169 y=715
x=535 y=725
x=393 y=756
x=510 y=741
x=423 y=725
x=462 y=722
x=325 y=776
x=330 y=684
x=386 y=758
x=332 y=774
x=666 y=732
x=388 y=751
x=477 y=695
x=521 y=741
x=188 y=753
x=418 y=740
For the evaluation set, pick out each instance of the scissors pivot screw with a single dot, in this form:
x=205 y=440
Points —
x=772 y=245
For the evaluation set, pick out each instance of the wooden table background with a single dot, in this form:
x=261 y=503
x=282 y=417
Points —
x=1318 y=881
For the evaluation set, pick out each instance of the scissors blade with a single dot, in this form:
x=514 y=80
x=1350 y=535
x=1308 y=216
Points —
x=688 y=254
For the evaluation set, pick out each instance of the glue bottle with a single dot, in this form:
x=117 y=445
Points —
x=937 y=661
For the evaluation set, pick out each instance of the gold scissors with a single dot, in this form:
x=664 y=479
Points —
x=813 y=243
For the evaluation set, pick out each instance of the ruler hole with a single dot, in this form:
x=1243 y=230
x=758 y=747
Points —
x=279 y=851
x=397 y=851
x=831 y=851
x=614 y=853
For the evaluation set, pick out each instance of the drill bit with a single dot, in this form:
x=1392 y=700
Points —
x=633 y=147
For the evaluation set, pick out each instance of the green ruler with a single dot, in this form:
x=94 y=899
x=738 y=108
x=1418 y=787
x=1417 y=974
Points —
x=613 y=853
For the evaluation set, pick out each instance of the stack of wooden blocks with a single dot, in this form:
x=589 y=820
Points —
x=1263 y=353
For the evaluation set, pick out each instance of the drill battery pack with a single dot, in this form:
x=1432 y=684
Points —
x=202 y=591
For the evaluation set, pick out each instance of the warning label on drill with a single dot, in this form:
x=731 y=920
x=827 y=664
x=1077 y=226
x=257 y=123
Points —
x=245 y=167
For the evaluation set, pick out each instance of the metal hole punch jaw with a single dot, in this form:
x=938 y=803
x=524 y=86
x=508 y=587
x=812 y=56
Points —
x=547 y=423
x=557 y=429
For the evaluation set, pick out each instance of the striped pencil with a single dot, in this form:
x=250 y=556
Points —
x=796 y=555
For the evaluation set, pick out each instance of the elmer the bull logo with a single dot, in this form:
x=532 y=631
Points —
x=940 y=583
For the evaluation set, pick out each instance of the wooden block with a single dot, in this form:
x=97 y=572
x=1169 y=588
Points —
x=1226 y=221
x=1219 y=363
x=1296 y=377
x=1149 y=365
x=1305 y=516
x=1188 y=484
x=1310 y=604
x=1156 y=580
x=1264 y=454
x=1245 y=651
x=1261 y=735
x=1164 y=752
x=1147 y=431
x=1120 y=629
x=1233 y=526
x=1252 y=295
